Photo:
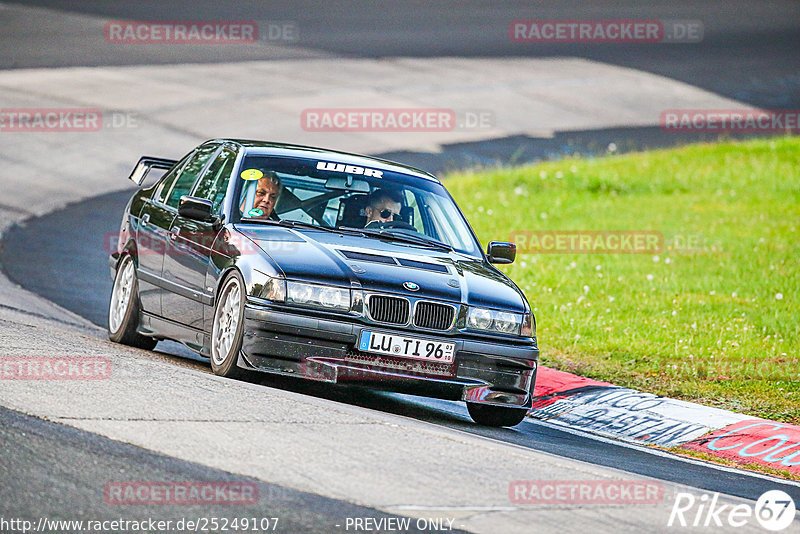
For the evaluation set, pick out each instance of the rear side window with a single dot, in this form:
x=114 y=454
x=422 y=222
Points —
x=188 y=175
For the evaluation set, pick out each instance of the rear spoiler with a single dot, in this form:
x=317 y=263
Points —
x=149 y=162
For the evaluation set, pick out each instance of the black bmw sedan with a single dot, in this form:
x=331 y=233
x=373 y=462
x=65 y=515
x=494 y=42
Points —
x=335 y=267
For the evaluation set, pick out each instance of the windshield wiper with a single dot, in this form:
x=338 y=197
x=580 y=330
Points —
x=407 y=238
x=300 y=224
x=381 y=234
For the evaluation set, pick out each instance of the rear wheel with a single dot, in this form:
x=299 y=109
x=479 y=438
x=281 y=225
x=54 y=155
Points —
x=488 y=415
x=227 y=329
x=123 y=311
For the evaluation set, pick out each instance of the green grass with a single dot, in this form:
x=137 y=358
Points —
x=751 y=466
x=714 y=317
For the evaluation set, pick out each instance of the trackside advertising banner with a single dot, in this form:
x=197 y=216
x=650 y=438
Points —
x=754 y=441
x=629 y=415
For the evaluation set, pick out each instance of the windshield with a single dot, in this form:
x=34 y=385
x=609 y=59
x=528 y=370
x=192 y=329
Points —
x=334 y=195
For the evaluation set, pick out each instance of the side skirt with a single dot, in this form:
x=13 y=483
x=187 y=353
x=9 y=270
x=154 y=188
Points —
x=161 y=328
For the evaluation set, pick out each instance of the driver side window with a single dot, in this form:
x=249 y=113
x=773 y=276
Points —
x=189 y=174
x=214 y=183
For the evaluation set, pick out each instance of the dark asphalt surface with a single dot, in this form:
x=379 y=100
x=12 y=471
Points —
x=62 y=256
x=749 y=50
x=520 y=149
x=60 y=473
x=749 y=53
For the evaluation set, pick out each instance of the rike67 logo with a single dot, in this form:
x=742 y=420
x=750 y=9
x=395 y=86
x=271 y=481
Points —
x=774 y=511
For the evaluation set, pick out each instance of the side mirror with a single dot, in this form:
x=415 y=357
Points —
x=501 y=252
x=198 y=209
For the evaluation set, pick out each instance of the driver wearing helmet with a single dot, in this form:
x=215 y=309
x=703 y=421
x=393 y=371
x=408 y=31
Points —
x=383 y=206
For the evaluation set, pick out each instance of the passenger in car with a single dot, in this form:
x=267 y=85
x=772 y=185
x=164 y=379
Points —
x=383 y=206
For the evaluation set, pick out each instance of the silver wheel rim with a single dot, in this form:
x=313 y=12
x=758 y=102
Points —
x=121 y=296
x=226 y=322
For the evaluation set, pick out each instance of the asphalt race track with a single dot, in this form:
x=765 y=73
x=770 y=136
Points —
x=60 y=464
x=79 y=281
x=759 y=39
x=749 y=54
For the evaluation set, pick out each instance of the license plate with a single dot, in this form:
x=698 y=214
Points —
x=407 y=347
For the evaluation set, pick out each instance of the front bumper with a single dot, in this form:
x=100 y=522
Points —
x=324 y=349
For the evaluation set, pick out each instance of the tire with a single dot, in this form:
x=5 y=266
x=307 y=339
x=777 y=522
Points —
x=488 y=415
x=123 y=310
x=227 y=329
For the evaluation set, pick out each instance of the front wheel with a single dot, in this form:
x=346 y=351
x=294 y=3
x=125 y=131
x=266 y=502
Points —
x=488 y=415
x=227 y=329
x=123 y=311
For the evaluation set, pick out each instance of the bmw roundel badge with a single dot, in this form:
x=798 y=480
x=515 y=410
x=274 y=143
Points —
x=411 y=286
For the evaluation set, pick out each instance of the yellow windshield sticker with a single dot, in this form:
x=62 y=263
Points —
x=252 y=174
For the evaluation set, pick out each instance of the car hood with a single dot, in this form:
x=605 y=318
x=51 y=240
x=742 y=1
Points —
x=379 y=265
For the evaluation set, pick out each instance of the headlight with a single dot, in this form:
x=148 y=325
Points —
x=300 y=293
x=528 y=326
x=507 y=323
x=480 y=318
x=325 y=297
x=499 y=322
x=268 y=287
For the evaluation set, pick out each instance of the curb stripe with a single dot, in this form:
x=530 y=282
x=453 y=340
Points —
x=625 y=414
x=768 y=443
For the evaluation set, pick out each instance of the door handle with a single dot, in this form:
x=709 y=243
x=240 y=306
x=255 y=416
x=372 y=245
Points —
x=145 y=219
